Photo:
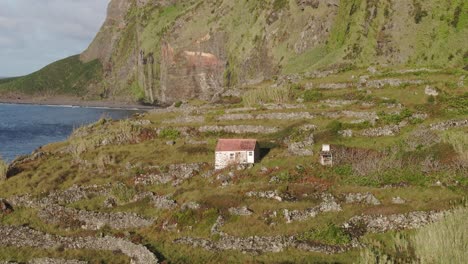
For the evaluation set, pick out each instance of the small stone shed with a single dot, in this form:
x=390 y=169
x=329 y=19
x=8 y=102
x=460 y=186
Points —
x=326 y=156
x=236 y=151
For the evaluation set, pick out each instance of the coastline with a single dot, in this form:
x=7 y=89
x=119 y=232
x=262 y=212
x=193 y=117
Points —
x=76 y=102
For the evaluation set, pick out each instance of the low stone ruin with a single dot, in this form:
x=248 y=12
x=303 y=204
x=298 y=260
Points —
x=25 y=237
x=175 y=174
x=275 y=195
x=328 y=204
x=269 y=116
x=449 y=124
x=239 y=129
x=384 y=223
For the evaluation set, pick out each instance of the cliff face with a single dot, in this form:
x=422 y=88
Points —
x=164 y=51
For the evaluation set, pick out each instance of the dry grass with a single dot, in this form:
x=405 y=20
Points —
x=266 y=95
x=445 y=241
x=459 y=141
x=3 y=169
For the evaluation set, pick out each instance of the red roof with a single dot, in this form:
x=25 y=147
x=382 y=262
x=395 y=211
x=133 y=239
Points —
x=236 y=144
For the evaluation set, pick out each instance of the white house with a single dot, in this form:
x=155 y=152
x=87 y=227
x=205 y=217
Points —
x=236 y=151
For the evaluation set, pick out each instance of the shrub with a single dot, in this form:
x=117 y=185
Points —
x=312 y=96
x=178 y=104
x=169 y=133
x=335 y=126
x=123 y=193
x=280 y=4
x=332 y=235
x=418 y=12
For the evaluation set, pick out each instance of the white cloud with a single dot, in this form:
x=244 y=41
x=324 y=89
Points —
x=34 y=33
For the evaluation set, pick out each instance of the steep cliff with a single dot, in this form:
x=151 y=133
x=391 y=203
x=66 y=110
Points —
x=164 y=51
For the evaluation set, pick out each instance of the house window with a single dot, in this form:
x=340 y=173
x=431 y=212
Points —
x=250 y=154
x=231 y=156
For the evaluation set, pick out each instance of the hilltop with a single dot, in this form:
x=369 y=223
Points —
x=166 y=51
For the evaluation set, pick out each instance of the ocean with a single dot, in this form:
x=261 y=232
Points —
x=24 y=128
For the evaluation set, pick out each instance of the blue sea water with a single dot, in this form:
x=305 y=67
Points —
x=24 y=128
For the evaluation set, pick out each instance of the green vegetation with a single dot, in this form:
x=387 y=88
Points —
x=331 y=234
x=65 y=77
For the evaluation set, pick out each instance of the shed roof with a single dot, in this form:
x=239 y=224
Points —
x=236 y=145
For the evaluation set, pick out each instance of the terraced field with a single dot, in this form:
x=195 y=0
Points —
x=145 y=188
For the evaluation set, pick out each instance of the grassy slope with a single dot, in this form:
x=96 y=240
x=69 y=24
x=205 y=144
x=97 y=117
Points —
x=61 y=170
x=65 y=77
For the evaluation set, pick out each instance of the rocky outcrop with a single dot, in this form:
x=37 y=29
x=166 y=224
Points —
x=24 y=237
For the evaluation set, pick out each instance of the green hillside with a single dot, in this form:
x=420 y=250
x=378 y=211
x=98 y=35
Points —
x=145 y=48
x=69 y=76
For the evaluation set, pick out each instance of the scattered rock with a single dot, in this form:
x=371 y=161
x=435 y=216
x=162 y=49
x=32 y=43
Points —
x=170 y=143
x=191 y=205
x=269 y=195
x=346 y=133
x=367 y=198
x=244 y=211
x=398 y=200
x=110 y=202
x=372 y=70
x=431 y=91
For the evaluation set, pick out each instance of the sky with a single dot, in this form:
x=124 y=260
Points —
x=34 y=33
